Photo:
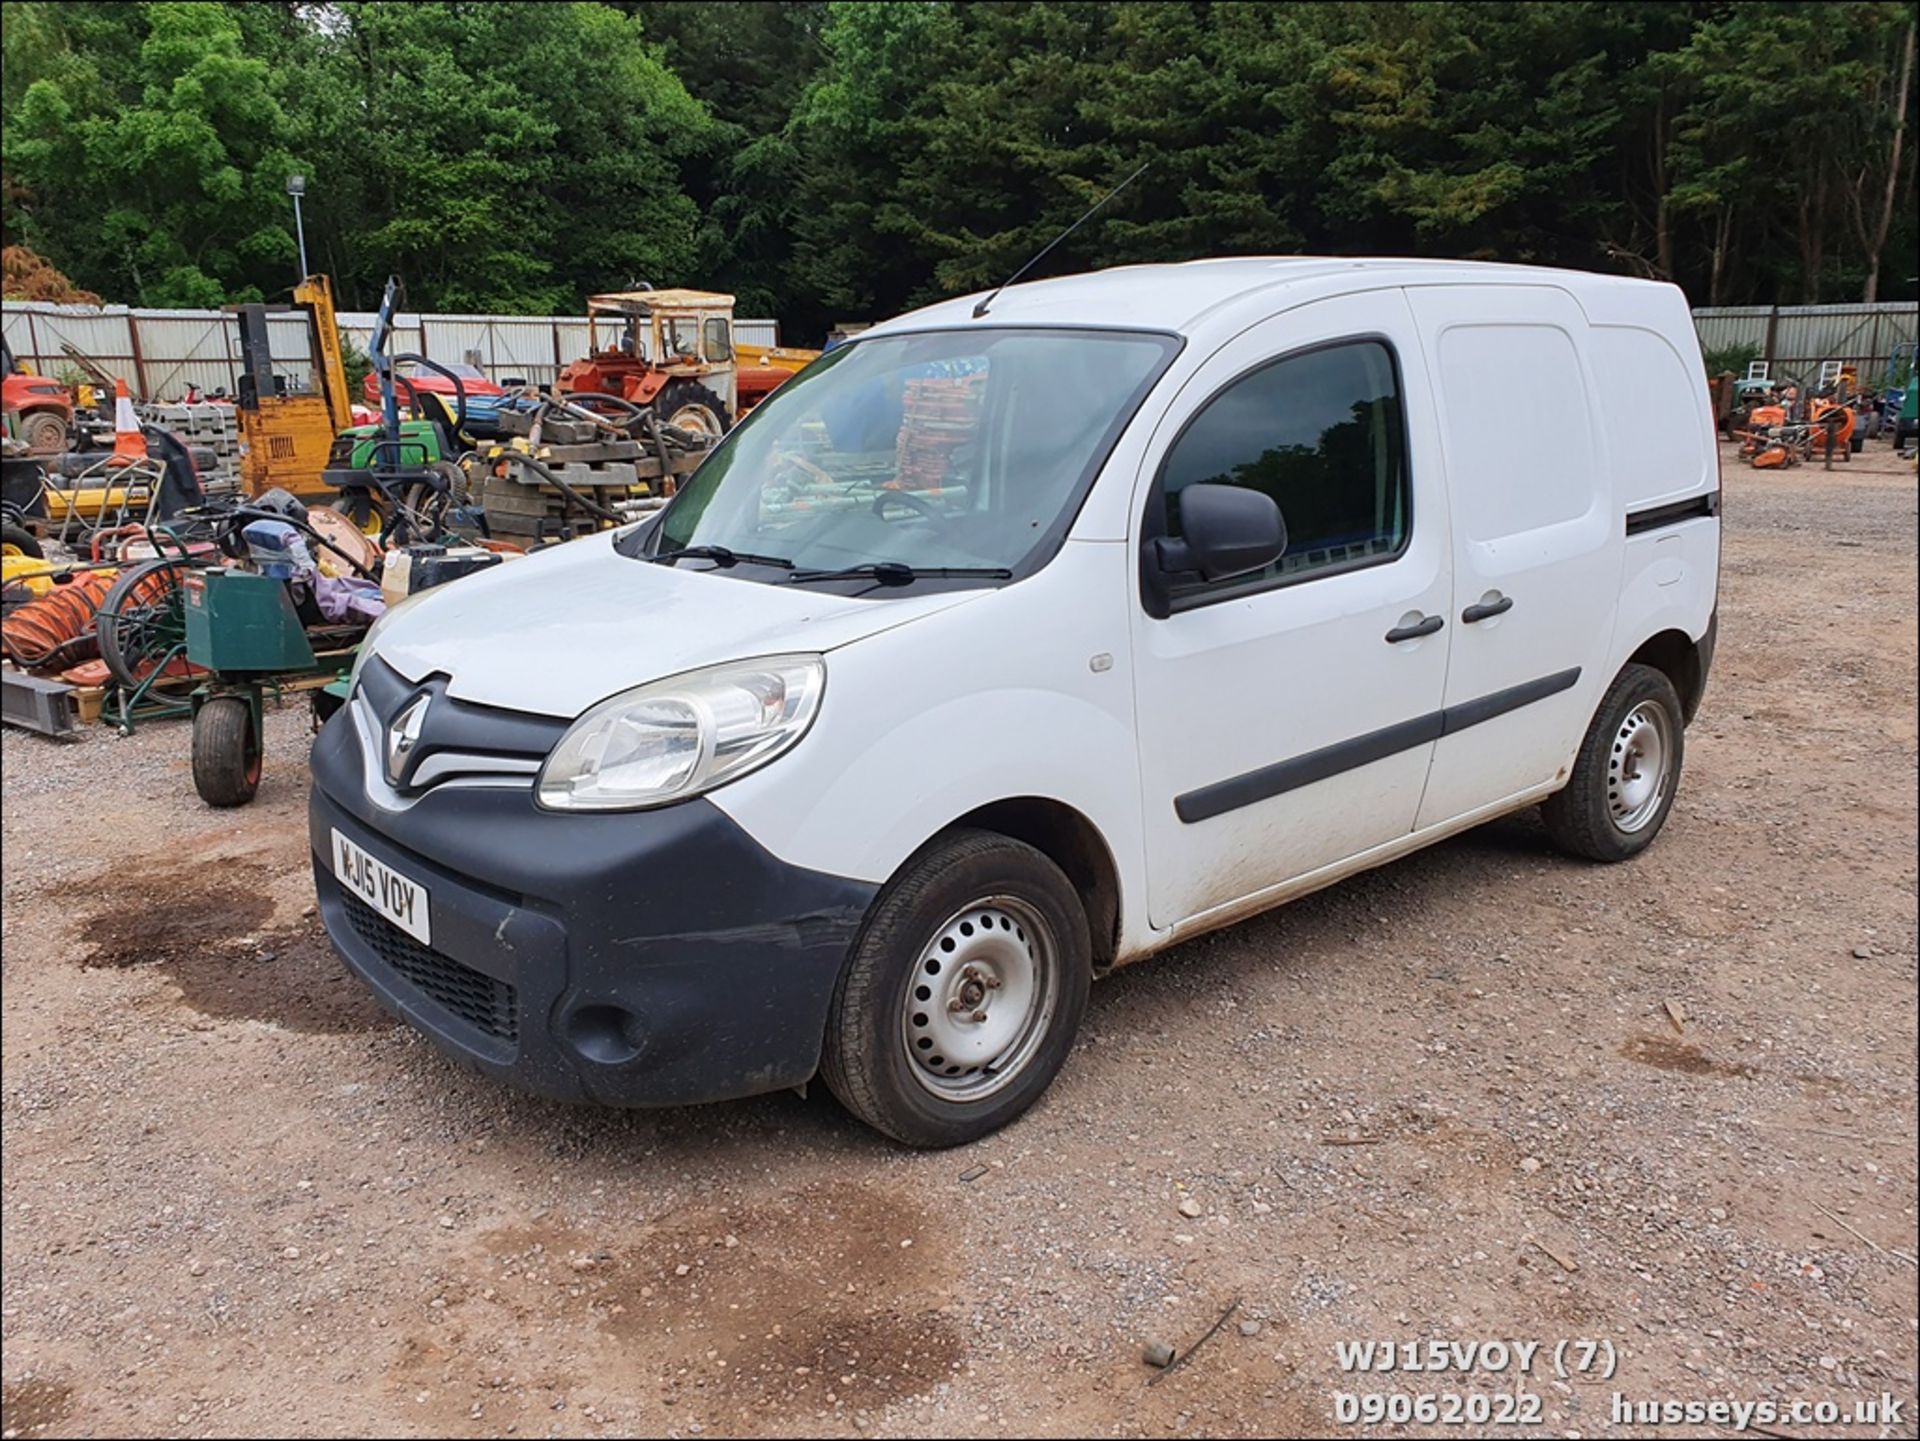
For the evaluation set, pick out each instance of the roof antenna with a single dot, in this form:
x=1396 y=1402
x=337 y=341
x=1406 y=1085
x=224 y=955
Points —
x=981 y=309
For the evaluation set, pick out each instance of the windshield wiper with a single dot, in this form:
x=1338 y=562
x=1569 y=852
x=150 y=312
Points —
x=896 y=572
x=720 y=556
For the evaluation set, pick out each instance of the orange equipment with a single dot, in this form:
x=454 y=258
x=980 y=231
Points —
x=1831 y=434
x=129 y=445
x=57 y=629
x=673 y=350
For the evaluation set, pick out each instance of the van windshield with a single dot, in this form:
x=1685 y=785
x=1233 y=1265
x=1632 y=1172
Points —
x=940 y=451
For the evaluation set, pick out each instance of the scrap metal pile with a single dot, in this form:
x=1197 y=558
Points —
x=566 y=465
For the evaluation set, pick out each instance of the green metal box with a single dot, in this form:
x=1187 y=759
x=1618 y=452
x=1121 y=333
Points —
x=239 y=621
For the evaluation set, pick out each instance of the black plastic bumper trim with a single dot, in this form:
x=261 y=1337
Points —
x=650 y=958
x=1269 y=781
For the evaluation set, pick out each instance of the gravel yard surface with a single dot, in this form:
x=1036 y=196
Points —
x=1484 y=1093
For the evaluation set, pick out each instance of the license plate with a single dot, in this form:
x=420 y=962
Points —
x=402 y=901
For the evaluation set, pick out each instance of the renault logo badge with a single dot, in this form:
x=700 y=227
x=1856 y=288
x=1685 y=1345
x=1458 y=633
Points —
x=403 y=734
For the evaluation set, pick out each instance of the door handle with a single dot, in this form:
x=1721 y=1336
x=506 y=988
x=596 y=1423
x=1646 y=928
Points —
x=1427 y=625
x=1487 y=610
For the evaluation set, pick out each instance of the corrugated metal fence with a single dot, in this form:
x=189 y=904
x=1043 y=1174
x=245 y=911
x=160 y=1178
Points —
x=1795 y=339
x=160 y=352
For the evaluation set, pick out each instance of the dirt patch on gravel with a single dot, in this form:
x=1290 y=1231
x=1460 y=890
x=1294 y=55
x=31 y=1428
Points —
x=206 y=928
x=1670 y=1055
x=29 y=1408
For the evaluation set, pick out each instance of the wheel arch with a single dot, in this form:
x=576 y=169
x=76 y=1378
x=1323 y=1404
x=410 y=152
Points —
x=1680 y=658
x=1073 y=843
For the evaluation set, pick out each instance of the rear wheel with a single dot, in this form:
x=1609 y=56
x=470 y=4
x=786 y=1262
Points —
x=961 y=999
x=1626 y=773
x=427 y=507
x=226 y=752
x=691 y=406
x=366 y=509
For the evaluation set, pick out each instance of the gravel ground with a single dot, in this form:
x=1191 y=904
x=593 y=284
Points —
x=239 y=1201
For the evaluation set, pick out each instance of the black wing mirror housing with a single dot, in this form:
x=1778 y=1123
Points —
x=1228 y=530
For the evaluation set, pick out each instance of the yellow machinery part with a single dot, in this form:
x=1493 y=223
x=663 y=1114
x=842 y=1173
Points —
x=90 y=503
x=34 y=573
x=781 y=357
x=287 y=440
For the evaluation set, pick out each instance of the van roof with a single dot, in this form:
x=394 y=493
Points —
x=1178 y=297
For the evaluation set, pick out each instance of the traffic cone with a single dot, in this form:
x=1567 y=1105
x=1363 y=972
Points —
x=129 y=445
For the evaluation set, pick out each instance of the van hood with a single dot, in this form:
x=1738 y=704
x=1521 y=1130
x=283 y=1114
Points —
x=564 y=628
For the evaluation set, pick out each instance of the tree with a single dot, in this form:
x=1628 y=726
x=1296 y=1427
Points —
x=846 y=160
x=506 y=157
x=156 y=177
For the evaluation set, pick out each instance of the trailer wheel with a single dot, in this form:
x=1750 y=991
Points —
x=226 y=753
x=691 y=406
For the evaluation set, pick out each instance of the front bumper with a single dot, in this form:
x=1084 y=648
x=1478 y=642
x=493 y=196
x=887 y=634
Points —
x=642 y=959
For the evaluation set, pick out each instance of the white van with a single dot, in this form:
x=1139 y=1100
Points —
x=1013 y=642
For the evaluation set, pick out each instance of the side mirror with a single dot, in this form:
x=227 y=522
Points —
x=1228 y=530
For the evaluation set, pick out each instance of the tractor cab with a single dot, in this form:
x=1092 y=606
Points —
x=668 y=350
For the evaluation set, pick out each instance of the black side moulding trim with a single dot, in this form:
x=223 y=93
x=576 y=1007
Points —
x=1700 y=507
x=1471 y=713
x=1269 y=781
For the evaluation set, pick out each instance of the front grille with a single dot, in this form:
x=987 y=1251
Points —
x=476 y=998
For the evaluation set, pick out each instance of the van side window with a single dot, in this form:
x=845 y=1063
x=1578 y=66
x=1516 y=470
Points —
x=1322 y=432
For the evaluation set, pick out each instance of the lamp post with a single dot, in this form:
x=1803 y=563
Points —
x=296 y=187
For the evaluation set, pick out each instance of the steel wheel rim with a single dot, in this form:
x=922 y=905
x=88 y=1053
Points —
x=695 y=416
x=980 y=999
x=1640 y=768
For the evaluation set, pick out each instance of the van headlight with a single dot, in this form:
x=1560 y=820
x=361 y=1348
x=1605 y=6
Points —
x=677 y=738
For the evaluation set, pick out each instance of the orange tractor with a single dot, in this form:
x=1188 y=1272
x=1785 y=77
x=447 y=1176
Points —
x=673 y=352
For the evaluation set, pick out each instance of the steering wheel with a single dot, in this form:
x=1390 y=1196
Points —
x=911 y=501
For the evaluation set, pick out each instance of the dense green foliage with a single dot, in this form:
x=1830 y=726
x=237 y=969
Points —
x=842 y=161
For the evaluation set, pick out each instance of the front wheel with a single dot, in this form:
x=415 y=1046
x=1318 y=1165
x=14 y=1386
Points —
x=1626 y=773
x=226 y=752
x=963 y=994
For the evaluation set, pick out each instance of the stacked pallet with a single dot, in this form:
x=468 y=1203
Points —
x=938 y=417
x=204 y=425
x=608 y=470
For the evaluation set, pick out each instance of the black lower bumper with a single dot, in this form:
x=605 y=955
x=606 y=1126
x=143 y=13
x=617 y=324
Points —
x=649 y=958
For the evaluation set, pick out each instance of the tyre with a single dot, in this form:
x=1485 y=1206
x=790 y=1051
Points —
x=691 y=406
x=366 y=509
x=1626 y=773
x=142 y=622
x=962 y=996
x=44 y=433
x=226 y=753
x=18 y=540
